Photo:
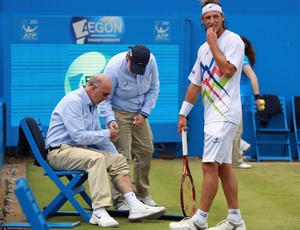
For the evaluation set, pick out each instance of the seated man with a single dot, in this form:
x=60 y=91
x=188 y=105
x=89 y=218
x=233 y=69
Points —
x=75 y=125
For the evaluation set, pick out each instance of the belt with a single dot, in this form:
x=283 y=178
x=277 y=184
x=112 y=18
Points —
x=76 y=146
x=52 y=148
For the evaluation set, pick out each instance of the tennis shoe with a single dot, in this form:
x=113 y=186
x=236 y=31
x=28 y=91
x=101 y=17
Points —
x=243 y=166
x=187 y=224
x=145 y=212
x=147 y=200
x=103 y=219
x=244 y=146
x=229 y=225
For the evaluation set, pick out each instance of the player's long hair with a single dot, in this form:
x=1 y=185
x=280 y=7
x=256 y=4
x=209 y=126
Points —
x=249 y=50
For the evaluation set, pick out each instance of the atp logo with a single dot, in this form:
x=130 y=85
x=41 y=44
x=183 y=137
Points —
x=30 y=29
x=162 y=30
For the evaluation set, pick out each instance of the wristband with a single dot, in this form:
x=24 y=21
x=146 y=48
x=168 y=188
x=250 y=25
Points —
x=256 y=96
x=185 y=108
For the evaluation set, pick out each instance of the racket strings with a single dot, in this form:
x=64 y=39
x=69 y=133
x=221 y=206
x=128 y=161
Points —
x=188 y=197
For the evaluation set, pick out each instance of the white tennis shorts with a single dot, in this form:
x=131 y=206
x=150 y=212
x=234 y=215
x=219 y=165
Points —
x=218 y=140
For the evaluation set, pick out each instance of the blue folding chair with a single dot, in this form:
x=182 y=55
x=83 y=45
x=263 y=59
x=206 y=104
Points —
x=35 y=136
x=35 y=217
x=271 y=130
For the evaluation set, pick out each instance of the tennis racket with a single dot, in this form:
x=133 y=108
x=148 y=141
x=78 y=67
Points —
x=187 y=188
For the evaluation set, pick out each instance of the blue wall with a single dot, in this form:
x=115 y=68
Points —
x=272 y=27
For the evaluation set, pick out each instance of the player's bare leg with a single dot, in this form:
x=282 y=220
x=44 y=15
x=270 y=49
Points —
x=209 y=185
x=230 y=185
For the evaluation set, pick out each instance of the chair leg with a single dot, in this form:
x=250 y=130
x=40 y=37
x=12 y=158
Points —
x=68 y=192
x=54 y=207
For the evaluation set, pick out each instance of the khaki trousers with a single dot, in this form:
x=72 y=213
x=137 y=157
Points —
x=137 y=143
x=97 y=163
x=237 y=157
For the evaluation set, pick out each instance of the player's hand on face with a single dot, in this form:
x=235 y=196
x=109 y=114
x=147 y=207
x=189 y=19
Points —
x=181 y=124
x=211 y=36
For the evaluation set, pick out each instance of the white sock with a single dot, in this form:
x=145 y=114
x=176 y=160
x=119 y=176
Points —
x=131 y=199
x=234 y=215
x=200 y=217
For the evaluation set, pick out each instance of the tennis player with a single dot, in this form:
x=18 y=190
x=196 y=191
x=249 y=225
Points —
x=216 y=74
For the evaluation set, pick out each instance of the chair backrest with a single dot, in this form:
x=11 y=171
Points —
x=35 y=136
x=29 y=205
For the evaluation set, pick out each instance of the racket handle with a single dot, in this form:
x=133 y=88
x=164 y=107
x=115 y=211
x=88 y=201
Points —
x=184 y=143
